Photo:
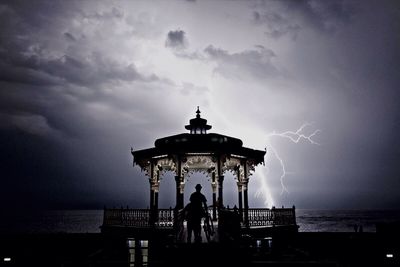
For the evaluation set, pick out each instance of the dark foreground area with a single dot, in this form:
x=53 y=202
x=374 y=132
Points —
x=302 y=249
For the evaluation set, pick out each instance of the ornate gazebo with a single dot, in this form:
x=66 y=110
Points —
x=197 y=151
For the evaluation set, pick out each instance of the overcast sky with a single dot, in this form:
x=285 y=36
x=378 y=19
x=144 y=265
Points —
x=81 y=82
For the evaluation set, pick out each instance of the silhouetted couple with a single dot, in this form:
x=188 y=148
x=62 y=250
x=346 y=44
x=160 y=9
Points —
x=195 y=211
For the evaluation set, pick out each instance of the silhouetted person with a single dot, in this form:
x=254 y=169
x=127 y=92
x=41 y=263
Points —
x=196 y=210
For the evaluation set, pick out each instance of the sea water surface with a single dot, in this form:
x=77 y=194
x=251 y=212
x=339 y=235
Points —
x=53 y=221
x=89 y=221
x=343 y=220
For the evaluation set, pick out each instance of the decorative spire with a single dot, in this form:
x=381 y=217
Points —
x=198 y=112
x=198 y=125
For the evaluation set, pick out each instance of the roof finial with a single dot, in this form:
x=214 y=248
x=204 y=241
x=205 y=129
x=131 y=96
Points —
x=198 y=112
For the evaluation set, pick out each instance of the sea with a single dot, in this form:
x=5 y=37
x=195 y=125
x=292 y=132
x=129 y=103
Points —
x=89 y=221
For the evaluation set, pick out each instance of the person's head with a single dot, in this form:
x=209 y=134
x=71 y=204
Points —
x=198 y=187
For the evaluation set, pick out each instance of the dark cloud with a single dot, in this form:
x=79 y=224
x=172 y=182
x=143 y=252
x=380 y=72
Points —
x=245 y=64
x=33 y=59
x=277 y=25
x=57 y=106
x=324 y=15
x=241 y=65
x=32 y=64
x=92 y=72
x=32 y=124
x=290 y=17
x=107 y=15
x=69 y=37
x=256 y=62
x=176 y=40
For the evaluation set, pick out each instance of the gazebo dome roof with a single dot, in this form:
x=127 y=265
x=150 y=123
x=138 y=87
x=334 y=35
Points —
x=198 y=141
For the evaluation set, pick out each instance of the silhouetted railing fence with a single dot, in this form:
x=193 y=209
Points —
x=164 y=218
x=271 y=217
x=138 y=218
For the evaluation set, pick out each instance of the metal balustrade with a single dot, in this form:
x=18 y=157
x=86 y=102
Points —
x=164 y=218
x=271 y=217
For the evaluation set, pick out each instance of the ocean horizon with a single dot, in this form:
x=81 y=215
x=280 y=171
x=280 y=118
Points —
x=89 y=221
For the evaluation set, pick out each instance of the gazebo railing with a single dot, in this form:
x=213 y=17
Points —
x=271 y=217
x=164 y=218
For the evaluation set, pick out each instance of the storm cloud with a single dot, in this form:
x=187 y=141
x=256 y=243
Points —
x=289 y=17
x=83 y=82
x=176 y=39
x=257 y=62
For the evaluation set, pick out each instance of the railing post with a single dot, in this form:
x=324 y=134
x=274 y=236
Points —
x=273 y=215
x=294 y=215
x=105 y=217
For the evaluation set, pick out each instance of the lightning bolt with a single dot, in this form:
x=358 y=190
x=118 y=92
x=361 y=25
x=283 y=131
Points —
x=292 y=136
x=264 y=189
x=282 y=163
x=296 y=136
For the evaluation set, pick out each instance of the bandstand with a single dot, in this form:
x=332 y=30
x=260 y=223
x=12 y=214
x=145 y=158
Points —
x=211 y=154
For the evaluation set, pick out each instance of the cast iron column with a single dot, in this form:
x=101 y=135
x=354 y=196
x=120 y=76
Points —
x=179 y=189
x=152 y=193
x=214 y=196
x=240 y=199
x=220 y=184
x=240 y=195
x=179 y=195
x=220 y=191
x=156 y=189
x=246 y=203
x=245 y=195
